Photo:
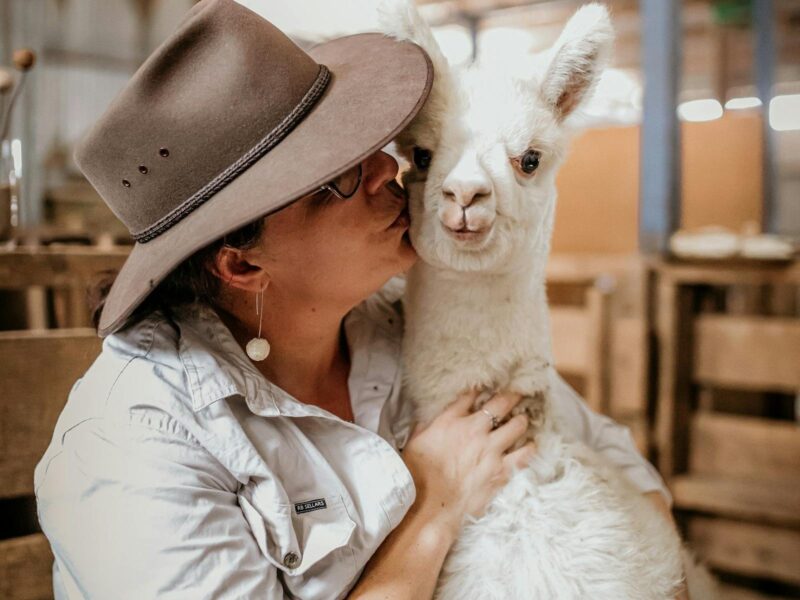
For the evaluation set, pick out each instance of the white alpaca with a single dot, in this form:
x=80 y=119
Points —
x=484 y=151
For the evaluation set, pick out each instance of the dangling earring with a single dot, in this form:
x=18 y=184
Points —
x=258 y=348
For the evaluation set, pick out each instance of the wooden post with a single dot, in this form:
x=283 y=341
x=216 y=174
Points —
x=674 y=346
x=598 y=307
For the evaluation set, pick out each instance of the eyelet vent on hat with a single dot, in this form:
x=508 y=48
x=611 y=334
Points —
x=126 y=183
x=164 y=152
x=143 y=170
x=266 y=144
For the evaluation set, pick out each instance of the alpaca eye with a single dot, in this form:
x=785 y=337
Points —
x=529 y=161
x=422 y=158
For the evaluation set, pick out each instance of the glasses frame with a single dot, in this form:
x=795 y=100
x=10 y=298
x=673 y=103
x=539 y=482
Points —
x=331 y=187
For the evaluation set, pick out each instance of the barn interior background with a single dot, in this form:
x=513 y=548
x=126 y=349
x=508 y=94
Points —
x=674 y=280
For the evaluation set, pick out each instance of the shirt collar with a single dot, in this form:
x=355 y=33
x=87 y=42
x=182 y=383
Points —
x=215 y=365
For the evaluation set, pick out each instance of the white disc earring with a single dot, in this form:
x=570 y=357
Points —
x=258 y=348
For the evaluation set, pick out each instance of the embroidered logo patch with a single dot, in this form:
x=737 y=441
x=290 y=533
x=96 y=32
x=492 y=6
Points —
x=309 y=505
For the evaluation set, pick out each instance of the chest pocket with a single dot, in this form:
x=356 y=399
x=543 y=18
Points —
x=296 y=538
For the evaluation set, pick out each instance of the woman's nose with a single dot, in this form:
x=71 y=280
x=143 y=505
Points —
x=378 y=170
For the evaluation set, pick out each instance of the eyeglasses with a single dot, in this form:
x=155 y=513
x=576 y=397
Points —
x=345 y=185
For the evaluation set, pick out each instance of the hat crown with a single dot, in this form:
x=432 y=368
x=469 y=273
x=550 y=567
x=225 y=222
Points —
x=226 y=85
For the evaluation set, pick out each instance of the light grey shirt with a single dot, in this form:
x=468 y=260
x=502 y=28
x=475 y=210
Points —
x=176 y=470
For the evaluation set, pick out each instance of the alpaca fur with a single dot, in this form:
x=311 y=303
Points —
x=569 y=525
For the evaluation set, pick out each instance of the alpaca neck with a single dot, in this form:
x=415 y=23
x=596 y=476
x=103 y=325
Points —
x=502 y=307
x=515 y=288
x=482 y=330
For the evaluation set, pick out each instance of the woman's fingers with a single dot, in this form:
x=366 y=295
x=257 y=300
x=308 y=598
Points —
x=462 y=404
x=521 y=457
x=509 y=433
x=498 y=406
x=460 y=407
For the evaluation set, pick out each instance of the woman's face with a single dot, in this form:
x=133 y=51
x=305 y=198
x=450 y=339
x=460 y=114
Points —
x=324 y=247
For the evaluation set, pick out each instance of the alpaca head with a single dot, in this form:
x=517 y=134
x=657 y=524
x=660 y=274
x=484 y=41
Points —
x=485 y=149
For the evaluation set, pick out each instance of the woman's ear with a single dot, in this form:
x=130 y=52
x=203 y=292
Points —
x=239 y=268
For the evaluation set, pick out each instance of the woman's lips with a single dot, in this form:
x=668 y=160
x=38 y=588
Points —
x=403 y=219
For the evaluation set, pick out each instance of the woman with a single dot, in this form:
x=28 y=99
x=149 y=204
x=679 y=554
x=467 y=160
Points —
x=238 y=435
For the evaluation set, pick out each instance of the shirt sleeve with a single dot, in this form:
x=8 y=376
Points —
x=134 y=511
x=608 y=437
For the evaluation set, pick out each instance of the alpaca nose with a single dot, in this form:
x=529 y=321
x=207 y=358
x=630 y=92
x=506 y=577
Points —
x=466 y=191
x=467 y=182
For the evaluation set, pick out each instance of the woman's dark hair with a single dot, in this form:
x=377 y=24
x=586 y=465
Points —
x=191 y=281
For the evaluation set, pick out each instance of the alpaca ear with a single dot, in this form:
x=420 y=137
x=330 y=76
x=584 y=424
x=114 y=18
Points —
x=578 y=58
x=401 y=20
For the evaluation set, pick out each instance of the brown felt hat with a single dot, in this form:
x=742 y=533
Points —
x=228 y=121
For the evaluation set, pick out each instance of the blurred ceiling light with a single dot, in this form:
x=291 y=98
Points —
x=740 y=103
x=700 y=110
x=317 y=20
x=784 y=112
x=455 y=42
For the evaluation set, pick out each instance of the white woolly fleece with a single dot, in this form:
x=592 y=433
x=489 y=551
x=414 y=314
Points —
x=569 y=525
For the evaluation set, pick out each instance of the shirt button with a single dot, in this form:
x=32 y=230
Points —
x=291 y=560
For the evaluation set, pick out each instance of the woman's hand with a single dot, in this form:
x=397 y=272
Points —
x=459 y=462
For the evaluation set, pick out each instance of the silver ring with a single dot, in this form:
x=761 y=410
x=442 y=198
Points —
x=495 y=421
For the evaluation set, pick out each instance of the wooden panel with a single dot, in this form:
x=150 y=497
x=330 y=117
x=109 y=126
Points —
x=38 y=369
x=598 y=309
x=598 y=185
x=770 y=501
x=571 y=350
x=721 y=168
x=745 y=447
x=71 y=306
x=750 y=352
x=56 y=267
x=673 y=331
x=26 y=565
x=747 y=548
x=621 y=274
x=628 y=364
x=36 y=307
x=598 y=193
x=68 y=271
x=728 y=272
x=586 y=268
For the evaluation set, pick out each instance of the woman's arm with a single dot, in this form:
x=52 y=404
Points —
x=458 y=463
x=609 y=438
x=408 y=562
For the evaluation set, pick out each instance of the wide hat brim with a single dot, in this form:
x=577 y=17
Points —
x=378 y=85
